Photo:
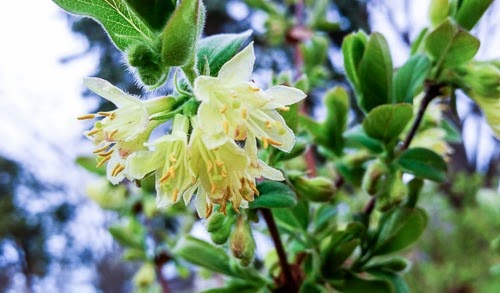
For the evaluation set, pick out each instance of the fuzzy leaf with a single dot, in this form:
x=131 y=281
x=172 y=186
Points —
x=154 y=12
x=121 y=22
x=218 y=49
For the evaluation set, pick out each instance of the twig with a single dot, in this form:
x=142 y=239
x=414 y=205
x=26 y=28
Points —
x=280 y=250
x=431 y=92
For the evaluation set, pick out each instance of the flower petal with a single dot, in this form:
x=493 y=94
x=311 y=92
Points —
x=240 y=67
x=282 y=137
x=110 y=92
x=144 y=162
x=204 y=87
x=211 y=125
x=283 y=95
x=270 y=173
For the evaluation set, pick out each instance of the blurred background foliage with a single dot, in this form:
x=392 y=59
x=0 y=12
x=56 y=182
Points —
x=455 y=254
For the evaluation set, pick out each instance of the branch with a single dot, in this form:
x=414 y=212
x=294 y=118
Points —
x=285 y=266
x=431 y=91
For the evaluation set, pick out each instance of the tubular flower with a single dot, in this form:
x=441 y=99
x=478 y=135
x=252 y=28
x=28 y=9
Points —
x=169 y=160
x=232 y=107
x=125 y=123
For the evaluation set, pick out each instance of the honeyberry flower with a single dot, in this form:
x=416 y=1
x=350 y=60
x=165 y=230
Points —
x=233 y=107
x=128 y=121
x=169 y=160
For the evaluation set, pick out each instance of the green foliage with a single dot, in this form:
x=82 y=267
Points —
x=274 y=195
x=408 y=80
x=386 y=122
x=423 y=163
x=469 y=12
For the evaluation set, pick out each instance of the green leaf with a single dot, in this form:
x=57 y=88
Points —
x=401 y=227
x=293 y=219
x=386 y=122
x=120 y=21
x=397 y=282
x=336 y=255
x=417 y=45
x=470 y=11
x=408 y=80
x=181 y=33
x=395 y=264
x=355 y=284
x=449 y=45
x=438 y=11
x=273 y=195
x=337 y=103
x=357 y=138
x=89 y=164
x=154 y=12
x=129 y=234
x=218 y=49
x=375 y=74
x=353 y=47
x=423 y=163
x=204 y=254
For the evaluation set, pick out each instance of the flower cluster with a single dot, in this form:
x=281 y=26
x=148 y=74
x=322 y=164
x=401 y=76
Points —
x=202 y=154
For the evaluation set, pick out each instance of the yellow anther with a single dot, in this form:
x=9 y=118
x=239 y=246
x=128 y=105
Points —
x=208 y=210
x=175 y=194
x=254 y=188
x=223 y=173
x=225 y=124
x=104 y=160
x=165 y=177
x=212 y=191
x=209 y=166
x=273 y=142
x=219 y=163
x=84 y=117
x=268 y=124
x=118 y=168
x=254 y=88
x=172 y=158
x=107 y=114
x=285 y=109
x=223 y=109
x=237 y=132
x=265 y=142
x=113 y=133
x=101 y=149
x=93 y=131
x=172 y=171
x=106 y=153
x=244 y=113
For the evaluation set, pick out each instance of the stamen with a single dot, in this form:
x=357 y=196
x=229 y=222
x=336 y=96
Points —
x=106 y=153
x=244 y=113
x=118 y=168
x=237 y=132
x=101 y=149
x=175 y=194
x=224 y=173
x=268 y=124
x=254 y=88
x=212 y=191
x=84 y=117
x=209 y=166
x=172 y=171
x=107 y=114
x=94 y=131
x=113 y=133
x=223 y=109
x=225 y=124
x=103 y=161
x=219 y=163
x=265 y=142
x=273 y=142
x=284 y=109
x=208 y=209
x=172 y=158
x=253 y=187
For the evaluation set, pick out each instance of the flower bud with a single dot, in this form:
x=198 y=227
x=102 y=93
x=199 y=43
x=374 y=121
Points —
x=242 y=242
x=317 y=189
x=220 y=236
x=215 y=222
x=376 y=170
x=145 y=276
x=482 y=78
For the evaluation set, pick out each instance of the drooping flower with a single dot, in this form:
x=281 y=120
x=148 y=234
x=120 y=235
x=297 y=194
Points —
x=225 y=174
x=169 y=159
x=128 y=121
x=233 y=107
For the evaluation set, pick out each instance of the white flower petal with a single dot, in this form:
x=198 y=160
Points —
x=270 y=172
x=211 y=125
x=108 y=91
x=283 y=95
x=203 y=87
x=201 y=203
x=240 y=67
x=113 y=162
x=141 y=163
x=188 y=194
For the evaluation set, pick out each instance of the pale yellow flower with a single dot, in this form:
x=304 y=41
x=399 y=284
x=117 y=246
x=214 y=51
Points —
x=232 y=107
